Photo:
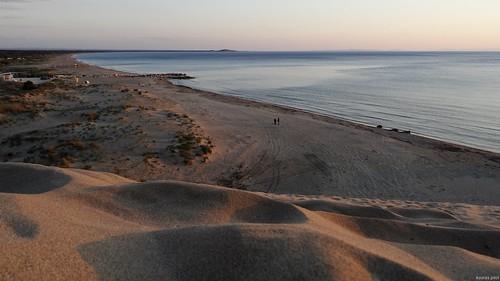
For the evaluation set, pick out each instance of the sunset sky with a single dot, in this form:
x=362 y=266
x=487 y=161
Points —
x=251 y=25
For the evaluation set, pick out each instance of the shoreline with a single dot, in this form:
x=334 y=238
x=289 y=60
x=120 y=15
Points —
x=341 y=120
x=147 y=128
x=327 y=117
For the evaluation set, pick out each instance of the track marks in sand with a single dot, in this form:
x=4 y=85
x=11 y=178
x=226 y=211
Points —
x=265 y=172
x=321 y=165
x=275 y=145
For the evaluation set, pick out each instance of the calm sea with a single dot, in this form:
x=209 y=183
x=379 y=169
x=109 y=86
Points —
x=449 y=96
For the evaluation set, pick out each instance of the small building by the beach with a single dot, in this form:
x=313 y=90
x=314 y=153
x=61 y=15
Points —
x=63 y=76
x=7 y=76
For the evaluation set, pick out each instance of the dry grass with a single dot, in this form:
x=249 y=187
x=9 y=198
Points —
x=206 y=149
x=13 y=108
x=66 y=162
x=10 y=88
x=91 y=116
x=64 y=154
x=191 y=146
x=76 y=144
x=3 y=119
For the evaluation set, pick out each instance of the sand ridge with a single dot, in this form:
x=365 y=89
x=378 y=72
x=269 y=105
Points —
x=81 y=225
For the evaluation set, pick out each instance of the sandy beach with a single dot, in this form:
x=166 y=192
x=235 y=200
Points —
x=134 y=178
x=140 y=122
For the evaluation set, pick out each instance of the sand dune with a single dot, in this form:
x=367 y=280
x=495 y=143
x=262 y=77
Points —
x=65 y=224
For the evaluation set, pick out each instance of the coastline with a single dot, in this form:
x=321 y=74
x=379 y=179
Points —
x=326 y=117
x=446 y=130
x=308 y=154
x=270 y=149
x=336 y=200
x=347 y=122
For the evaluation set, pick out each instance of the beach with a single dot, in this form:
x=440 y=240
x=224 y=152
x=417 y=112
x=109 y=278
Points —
x=159 y=181
x=445 y=95
x=306 y=154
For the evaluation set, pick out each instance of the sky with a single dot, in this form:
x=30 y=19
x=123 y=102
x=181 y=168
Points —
x=252 y=24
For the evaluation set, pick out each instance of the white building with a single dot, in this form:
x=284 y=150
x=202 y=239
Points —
x=7 y=76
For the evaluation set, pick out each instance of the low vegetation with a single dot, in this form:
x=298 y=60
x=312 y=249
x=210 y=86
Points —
x=7 y=107
x=13 y=57
x=98 y=126
x=90 y=116
x=189 y=147
x=28 y=86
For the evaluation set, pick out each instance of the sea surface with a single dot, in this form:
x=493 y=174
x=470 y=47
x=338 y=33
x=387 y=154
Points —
x=445 y=95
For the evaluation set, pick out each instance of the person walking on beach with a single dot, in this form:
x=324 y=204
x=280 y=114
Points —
x=274 y=121
x=278 y=121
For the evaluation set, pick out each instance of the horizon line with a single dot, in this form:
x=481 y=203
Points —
x=234 y=50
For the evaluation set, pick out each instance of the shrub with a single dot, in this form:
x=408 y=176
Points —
x=65 y=162
x=91 y=116
x=206 y=149
x=13 y=107
x=3 y=119
x=28 y=85
x=77 y=144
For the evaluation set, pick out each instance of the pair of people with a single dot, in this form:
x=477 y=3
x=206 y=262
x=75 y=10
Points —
x=276 y=121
